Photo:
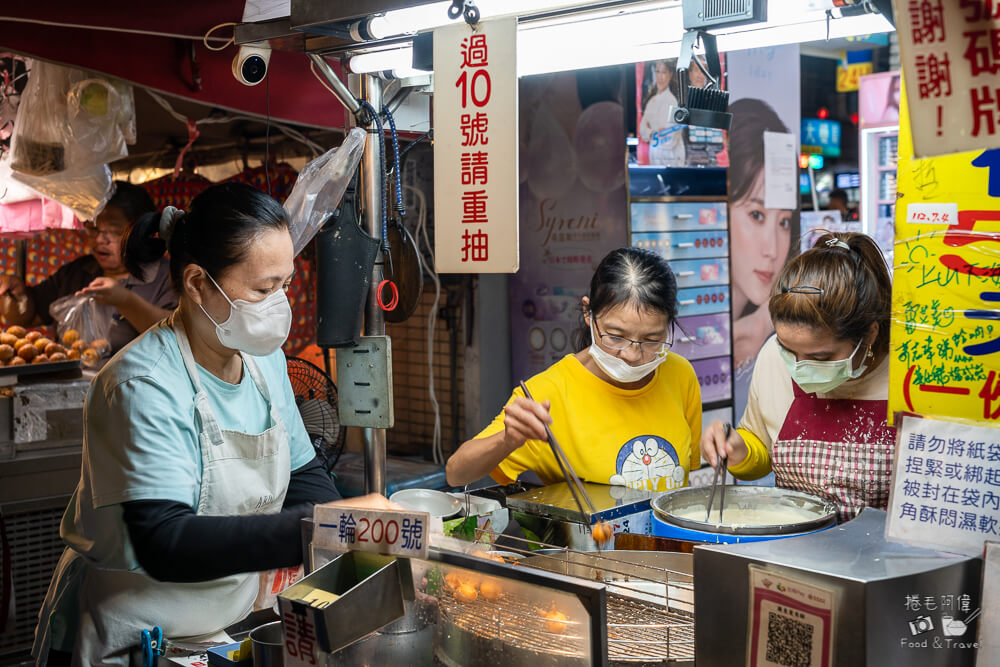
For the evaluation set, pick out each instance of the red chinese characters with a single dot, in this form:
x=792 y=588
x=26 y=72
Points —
x=299 y=636
x=475 y=168
x=475 y=128
x=927 y=21
x=990 y=393
x=933 y=76
x=475 y=246
x=474 y=207
x=475 y=90
x=982 y=51
x=983 y=101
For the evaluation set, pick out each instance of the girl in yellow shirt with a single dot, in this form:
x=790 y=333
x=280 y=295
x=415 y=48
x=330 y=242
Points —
x=625 y=410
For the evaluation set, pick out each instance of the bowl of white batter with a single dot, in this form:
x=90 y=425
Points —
x=749 y=510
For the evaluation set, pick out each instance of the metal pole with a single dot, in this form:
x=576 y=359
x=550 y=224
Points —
x=338 y=87
x=371 y=190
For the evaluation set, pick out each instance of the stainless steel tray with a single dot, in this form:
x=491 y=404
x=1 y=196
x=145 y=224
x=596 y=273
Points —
x=40 y=369
x=745 y=497
x=556 y=501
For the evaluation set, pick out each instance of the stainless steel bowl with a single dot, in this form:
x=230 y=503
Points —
x=666 y=506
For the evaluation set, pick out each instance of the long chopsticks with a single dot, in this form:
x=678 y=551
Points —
x=572 y=481
x=720 y=469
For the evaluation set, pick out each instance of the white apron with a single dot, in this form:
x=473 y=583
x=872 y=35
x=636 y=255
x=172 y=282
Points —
x=242 y=474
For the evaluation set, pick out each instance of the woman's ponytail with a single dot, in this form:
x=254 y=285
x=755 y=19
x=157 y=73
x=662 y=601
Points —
x=142 y=245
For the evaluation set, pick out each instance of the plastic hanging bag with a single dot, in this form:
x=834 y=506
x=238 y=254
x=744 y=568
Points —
x=38 y=145
x=68 y=127
x=85 y=191
x=93 y=112
x=320 y=187
x=83 y=325
x=68 y=120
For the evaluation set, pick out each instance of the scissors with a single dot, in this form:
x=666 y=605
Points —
x=152 y=646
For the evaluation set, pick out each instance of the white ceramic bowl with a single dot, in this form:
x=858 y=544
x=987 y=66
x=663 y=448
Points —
x=436 y=503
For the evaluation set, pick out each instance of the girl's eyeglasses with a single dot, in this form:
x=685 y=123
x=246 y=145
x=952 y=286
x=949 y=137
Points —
x=648 y=348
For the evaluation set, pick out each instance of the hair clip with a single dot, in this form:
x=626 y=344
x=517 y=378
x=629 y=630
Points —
x=830 y=243
x=803 y=289
x=168 y=221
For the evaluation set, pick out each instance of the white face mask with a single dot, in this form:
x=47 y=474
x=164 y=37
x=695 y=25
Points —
x=255 y=327
x=618 y=369
x=821 y=377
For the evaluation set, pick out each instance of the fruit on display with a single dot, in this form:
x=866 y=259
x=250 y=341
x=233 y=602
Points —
x=20 y=346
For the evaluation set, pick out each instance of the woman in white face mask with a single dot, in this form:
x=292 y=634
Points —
x=196 y=466
x=624 y=408
x=817 y=409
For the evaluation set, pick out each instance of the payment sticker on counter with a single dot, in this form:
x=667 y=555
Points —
x=791 y=621
x=384 y=532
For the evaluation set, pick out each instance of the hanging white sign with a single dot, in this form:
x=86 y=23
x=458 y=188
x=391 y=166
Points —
x=950 y=60
x=945 y=485
x=475 y=147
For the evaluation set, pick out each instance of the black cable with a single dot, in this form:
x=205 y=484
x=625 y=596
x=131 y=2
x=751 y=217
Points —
x=381 y=169
x=267 y=134
x=426 y=135
x=395 y=156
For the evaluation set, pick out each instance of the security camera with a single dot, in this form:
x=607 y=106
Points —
x=250 y=64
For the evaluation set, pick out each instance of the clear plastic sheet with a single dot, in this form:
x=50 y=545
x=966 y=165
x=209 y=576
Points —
x=81 y=313
x=86 y=191
x=69 y=126
x=320 y=187
x=946 y=319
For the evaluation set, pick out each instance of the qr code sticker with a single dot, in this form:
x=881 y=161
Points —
x=789 y=642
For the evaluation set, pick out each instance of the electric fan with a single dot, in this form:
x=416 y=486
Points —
x=316 y=398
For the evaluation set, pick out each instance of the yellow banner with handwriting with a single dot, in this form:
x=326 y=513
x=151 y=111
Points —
x=945 y=339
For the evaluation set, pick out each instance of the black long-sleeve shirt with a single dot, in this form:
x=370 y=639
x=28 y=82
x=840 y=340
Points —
x=172 y=543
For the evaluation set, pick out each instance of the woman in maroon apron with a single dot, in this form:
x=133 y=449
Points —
x=817 y=408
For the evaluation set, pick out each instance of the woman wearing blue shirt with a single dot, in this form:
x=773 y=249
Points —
x=196 y=465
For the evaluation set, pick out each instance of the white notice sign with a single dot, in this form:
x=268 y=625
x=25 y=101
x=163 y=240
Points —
x=781 y=171
x=475 y=147
x=932 y=214
x=385 y=532
x=946 y=485
x=951 y=59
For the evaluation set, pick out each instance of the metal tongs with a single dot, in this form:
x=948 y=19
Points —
x=720 y=469
x=572 y=481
